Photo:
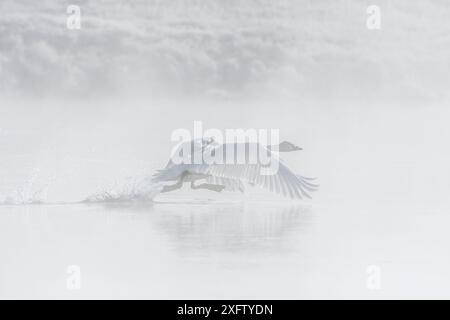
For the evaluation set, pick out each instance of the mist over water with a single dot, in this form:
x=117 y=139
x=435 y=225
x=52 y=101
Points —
x=88 y=115
x=372 y=152
x=382 y=200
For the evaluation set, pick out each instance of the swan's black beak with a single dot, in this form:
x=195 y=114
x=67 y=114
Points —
x=297 y=148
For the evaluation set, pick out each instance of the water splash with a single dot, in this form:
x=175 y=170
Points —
x=131 y=190
x=21 y=197
x=134 y=190
x=29 y=193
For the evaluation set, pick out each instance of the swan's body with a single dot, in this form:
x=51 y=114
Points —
x=232 y=177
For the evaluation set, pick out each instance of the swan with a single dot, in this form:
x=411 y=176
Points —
x=218 y=177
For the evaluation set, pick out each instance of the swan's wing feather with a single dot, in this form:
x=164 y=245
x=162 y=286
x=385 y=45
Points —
x=284 y=181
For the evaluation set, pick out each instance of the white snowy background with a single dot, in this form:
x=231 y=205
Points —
x=231 y=48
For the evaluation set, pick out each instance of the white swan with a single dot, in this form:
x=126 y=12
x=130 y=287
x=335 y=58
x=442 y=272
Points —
x=232 y=177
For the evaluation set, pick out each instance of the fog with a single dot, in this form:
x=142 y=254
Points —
x=86 y=117
x=382 y=201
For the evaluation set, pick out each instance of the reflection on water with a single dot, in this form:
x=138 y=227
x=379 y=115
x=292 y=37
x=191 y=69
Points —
x=214 y=227
x=211 y=249
x=143 y=250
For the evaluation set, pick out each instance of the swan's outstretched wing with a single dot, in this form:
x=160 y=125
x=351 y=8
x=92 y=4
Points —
x=283 y=181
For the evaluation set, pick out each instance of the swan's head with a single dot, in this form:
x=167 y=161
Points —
x=287 y=146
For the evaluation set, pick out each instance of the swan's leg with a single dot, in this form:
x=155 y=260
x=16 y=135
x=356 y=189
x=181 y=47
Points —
x=176 y=186
x=208 y=186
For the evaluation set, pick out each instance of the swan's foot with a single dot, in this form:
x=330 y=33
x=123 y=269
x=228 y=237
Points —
x=214 y=187
x=176 y=186
x=208 y=186
x=171 y=188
